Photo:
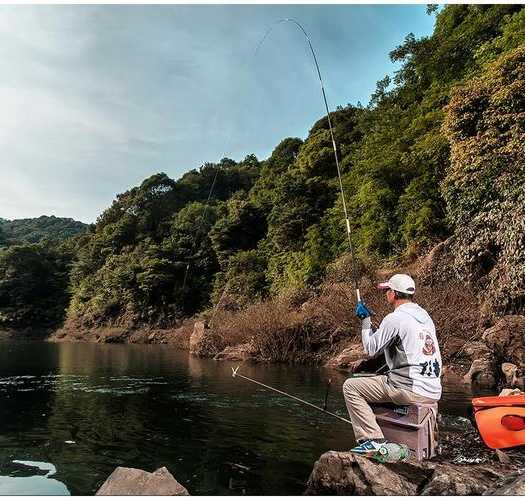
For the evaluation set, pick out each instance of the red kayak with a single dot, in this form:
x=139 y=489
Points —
x=501 y=420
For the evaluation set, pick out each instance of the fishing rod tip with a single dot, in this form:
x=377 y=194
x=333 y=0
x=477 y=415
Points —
x=234 y=371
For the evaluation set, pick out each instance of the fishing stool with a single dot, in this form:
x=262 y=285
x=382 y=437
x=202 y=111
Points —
x=413 y=425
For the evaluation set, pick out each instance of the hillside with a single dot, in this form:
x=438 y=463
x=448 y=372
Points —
x=36 y=229
x=436 y=155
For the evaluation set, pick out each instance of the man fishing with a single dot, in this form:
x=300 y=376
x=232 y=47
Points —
x=407 y=337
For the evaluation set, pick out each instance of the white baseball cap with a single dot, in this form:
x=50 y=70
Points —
x=400 y=283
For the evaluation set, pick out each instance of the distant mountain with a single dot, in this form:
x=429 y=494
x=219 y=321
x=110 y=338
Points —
x=35 y=229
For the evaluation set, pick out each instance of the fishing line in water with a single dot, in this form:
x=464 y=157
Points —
x=235 y=373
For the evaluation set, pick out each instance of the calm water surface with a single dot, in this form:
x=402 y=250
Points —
x=71 y=413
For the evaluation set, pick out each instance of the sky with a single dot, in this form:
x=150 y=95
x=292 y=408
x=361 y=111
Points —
x=95 y=98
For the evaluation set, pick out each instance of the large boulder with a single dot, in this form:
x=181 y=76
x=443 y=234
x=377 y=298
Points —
x=346 y=357
x=136 y=482
x=510 y=372
x=505 y=339
x=474 y=349
x=455 y=480
x=481 y=372
x=343 y=473
x=205 y=342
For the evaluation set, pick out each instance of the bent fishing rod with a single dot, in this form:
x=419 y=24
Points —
x=332 y=137
x=355 y=278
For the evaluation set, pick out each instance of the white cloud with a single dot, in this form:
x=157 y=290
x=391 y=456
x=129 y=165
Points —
x=94 y=98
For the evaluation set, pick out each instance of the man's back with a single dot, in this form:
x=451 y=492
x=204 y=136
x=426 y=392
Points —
x=413 y=355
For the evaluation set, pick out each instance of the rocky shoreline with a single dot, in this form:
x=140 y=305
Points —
x=343 y=473
x=496 y=360
x=465 y=465
x=320 y=328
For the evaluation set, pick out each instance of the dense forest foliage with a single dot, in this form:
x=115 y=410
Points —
x=437 y=153
x=34 y=287
x=39 y=228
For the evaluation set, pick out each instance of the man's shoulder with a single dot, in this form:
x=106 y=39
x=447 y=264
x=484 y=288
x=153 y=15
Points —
x=392 y=319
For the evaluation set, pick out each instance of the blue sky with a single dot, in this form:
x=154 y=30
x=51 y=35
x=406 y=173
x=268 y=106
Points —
x=96 y=98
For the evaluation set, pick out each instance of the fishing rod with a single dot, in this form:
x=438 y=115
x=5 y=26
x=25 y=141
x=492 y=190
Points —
x=235 y=373
x=355 y=278
x=328 y=114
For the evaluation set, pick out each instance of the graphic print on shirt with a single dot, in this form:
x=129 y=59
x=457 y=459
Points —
x=430 y=368
x=428 y=348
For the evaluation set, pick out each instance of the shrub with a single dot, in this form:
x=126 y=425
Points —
x=485 y=184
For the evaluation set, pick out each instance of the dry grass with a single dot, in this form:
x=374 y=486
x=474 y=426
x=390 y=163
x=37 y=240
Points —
x=180 y=337
x=274 y=329
x=283 y=329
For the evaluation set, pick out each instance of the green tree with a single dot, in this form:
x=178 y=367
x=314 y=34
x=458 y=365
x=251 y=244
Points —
x=3 y=236
x=485 y=183
x=241 y=228
x=33 y=286
x=244 y=278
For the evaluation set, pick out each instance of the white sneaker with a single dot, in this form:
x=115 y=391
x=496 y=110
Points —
x=368 y=447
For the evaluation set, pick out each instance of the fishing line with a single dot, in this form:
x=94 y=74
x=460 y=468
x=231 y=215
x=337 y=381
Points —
x=201 y=224
x=328 y=115
x=206 y=206
x=235 y=373
x=336 y=156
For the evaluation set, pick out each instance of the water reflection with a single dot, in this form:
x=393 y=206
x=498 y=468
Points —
x=31 y=478
x=88 y=408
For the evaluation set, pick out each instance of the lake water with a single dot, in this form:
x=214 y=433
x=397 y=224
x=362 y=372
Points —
x=72 y=412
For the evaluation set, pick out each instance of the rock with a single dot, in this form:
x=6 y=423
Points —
x=505 y=339
x=111 y=335
x=343 y=473
x=503 y=457
x=242 y=352
x=126 y=481
x=346 y=357
x=513 y=484
x=458 y=480
x=204 y=342
x=510 y=392
x=509 y=370
x=199 y=329
x=481 y=371
x=475 y=350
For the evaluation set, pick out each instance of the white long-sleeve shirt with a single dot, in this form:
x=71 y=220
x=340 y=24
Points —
x=408 y=339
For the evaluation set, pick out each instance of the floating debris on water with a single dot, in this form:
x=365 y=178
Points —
x=238 y=466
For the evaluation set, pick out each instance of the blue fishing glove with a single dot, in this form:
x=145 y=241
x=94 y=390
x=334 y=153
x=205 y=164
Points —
x=361 y=311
